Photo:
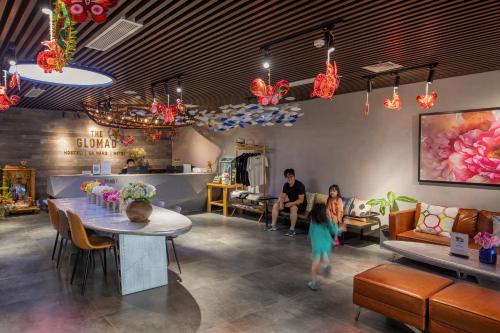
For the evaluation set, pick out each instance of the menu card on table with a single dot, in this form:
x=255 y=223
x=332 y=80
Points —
x=459 y=245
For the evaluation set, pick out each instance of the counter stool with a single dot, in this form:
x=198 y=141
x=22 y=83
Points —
x=87 y=245
x=54 y=220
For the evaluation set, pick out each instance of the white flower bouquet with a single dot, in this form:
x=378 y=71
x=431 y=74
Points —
x=138 y=191
x=99 y=190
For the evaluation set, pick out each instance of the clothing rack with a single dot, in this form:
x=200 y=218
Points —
x=252 y=148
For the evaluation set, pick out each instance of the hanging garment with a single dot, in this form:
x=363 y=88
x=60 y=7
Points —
x=256 y=169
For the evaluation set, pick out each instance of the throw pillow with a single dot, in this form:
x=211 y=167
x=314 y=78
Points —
x=496 y=225
x=436 y=220
x=347 y=205
x=359 y=208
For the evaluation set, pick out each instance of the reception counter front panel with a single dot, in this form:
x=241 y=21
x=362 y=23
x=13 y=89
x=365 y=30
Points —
x=187 y=190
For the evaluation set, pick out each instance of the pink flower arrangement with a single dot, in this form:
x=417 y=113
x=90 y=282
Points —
x=486 y=240
x=112 y=196
x=464 y=148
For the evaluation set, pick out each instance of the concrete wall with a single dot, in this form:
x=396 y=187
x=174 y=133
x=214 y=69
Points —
x=42 y=137
x=194 y=148
x=334 y=143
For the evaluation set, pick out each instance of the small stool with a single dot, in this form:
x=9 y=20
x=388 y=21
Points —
x=398 y=292
x=465 y=308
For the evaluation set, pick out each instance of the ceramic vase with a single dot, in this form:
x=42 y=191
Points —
x=139 y=211
x=488 y=256
x=93 y=198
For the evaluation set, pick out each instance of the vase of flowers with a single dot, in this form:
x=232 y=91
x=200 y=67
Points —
x=98 y=192
x=88 y=187
x=488 y=250
x=138 y=197
x=6 y=204
x=112 y=198
x=137 y=154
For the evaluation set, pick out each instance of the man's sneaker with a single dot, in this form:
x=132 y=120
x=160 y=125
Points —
x=327 y=271
x=312 y=285
x=272 y=229
x=290 y=233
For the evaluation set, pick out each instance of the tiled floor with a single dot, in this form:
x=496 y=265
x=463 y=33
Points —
x=236 y=278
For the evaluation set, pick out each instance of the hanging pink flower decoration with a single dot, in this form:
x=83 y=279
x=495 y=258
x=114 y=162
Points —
x=267 y=94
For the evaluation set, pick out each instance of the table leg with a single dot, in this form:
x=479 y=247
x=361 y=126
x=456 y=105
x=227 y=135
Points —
x=224 y=201
x=209 y=199
x=143 y=263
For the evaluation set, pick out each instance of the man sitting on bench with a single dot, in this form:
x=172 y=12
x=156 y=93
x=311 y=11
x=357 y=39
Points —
x=292 y=199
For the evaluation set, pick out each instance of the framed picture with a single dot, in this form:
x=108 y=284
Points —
x=460 y=147
x=96 y=169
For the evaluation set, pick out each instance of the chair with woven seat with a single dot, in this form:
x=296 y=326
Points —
x=54 y=220
x=87 y=245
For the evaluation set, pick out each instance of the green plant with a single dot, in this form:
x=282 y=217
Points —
x=390 y=202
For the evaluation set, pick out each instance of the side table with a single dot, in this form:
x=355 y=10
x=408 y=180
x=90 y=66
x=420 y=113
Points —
x=224 y=203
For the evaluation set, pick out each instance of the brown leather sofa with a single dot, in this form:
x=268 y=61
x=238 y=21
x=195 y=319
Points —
x=468 y=221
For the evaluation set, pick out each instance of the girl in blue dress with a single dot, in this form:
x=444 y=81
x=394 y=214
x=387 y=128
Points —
x=321 y=233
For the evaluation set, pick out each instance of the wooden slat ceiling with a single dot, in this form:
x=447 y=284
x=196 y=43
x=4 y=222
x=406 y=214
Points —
x=215 y=44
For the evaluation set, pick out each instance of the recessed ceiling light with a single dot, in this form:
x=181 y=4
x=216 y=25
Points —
x=130 y=92
x=138 y=97
x=71 y=76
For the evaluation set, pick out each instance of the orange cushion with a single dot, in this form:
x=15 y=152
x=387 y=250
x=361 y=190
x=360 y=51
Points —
x=416 y=236
x=399 y=286
x=467 y=307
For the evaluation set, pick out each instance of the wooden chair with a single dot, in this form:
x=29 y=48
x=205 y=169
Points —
x=54 y=219
x=87 y=245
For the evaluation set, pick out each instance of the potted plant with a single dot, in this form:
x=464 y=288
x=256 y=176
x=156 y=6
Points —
x=390 y=202
x=6 y=203
x=138 y=197
x=99 y=190
x=88 y=187
x=488 y=250
x=112 y=198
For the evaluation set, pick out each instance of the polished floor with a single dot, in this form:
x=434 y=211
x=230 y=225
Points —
x=235 y=278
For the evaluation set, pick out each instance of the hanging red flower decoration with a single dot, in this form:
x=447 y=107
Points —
x=127 y=140
x=267 y=94
x=181 y=107
x=395 y=103
x=51 y=59
x=115 y=134
x=79 y=9
x=326 y=84
x=15 y=81
x=151 y=136
x=7 y=101
x=157 y=107
x=169 y=114
x=427 y=101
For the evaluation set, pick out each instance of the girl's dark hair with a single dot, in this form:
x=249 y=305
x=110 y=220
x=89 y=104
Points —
x=319 y=213
x=334 y=187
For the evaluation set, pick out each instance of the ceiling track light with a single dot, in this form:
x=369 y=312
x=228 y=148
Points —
x=430 y=77
x=178 y=89
x=266 y=62
x=397 y=81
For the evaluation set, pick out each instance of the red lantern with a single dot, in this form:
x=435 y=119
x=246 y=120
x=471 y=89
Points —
x=267 y=94
x=7 y=101
x=326 y=84
x=79 y=9
x=51 y=59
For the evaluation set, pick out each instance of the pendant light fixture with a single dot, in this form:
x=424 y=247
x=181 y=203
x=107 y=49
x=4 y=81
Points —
x=429 y=99
x=367 y=103
x=266 y=93
x=326 y=84
x=395 y=102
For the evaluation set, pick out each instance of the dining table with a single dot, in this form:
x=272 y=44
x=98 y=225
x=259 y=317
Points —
x=142 y=250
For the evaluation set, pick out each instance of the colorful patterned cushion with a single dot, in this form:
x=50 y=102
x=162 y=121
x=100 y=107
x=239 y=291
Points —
x=359 y=208
x=436 y=220
x=347 y=202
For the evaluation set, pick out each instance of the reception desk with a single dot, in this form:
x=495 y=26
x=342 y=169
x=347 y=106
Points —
x=187 y=190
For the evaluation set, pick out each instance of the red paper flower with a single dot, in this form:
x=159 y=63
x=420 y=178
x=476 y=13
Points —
x=269 y=95
x=51 y=59
x=395 y=103
x=427 y=101
x=7 y=101
x=127 y=140
x=326 y=84
x=79 y=9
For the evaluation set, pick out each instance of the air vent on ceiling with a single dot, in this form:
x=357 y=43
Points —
x=117 y=32
x=382 y=67
x=34 y=92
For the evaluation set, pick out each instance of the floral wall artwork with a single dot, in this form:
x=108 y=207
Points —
x=460 y=147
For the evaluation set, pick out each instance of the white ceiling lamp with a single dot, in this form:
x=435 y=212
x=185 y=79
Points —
x=71 y=76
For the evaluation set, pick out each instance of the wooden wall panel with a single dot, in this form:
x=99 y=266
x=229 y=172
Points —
x=42 y=136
